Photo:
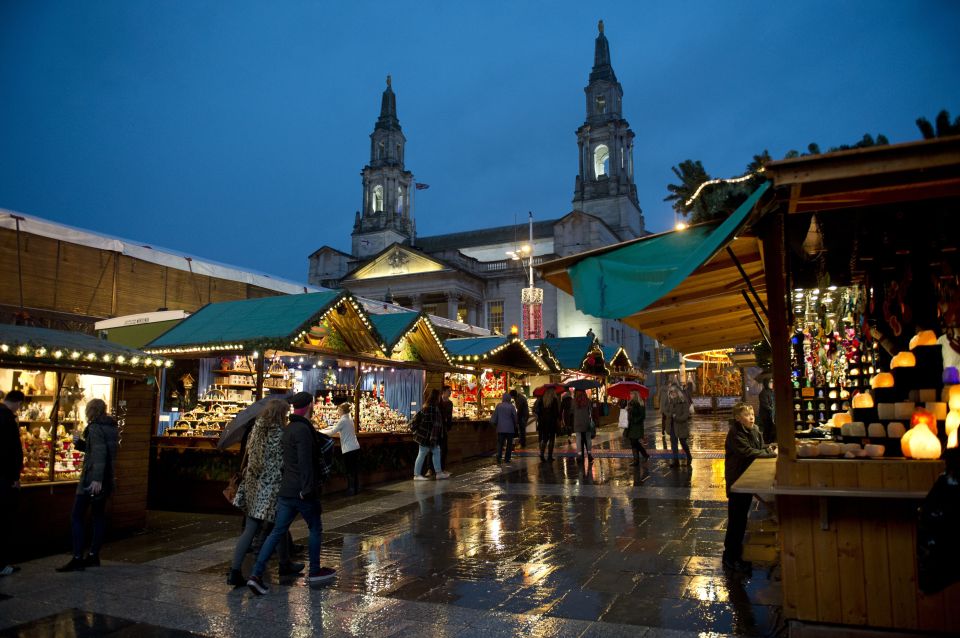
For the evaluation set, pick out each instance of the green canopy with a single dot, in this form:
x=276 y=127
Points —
x=394 y=325
x=569 y=351
x=624 y=281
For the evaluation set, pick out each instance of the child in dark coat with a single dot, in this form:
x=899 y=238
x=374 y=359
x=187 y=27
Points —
x=744 y=443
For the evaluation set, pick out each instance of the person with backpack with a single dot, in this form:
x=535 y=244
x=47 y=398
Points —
x=305 y=467
x=427 y=427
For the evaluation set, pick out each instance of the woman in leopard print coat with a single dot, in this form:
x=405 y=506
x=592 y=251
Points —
x=257 y=491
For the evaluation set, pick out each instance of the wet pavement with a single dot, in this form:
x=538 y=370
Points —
x=527 y=548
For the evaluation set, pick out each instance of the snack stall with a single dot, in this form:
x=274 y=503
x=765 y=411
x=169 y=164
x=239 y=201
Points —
x=839 y=261
x=231 y=354
x=59 y=372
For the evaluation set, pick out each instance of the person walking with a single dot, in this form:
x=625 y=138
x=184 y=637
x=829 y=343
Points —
x=678 y=412
x=566 y=414
x=584 y=424
x=664 y=400
x=99 y=441
x=766 y=412
x=257 y=493
x=506 y=420
x=636 y=414
x=304 y=469
x=743 y=444
x=547 y=411
x=427 y=428
x=446 y=415
x=349 y=446
x=523 y=414
x=11 y=465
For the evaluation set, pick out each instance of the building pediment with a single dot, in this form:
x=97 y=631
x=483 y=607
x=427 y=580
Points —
x=396 y=260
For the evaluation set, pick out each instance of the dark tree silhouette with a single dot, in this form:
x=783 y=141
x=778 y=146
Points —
x=944 y=128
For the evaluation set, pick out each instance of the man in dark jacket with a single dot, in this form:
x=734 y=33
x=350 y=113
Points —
x=303 y=450
x=523 y=414
x=744 y=443
x=11 y=464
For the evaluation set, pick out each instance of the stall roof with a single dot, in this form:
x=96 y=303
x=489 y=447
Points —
x=683 y=288
x=271 y=322
x=569 y=351
x=504 y=352
x=41 y=347
x=416 y=327
x=612 y=353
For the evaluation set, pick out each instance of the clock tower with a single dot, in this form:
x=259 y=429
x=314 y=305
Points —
x=604 y=186
x=384 y=217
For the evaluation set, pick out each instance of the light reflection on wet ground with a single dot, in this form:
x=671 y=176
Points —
x=557 y=543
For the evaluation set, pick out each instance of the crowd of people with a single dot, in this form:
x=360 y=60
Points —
x=286 y=460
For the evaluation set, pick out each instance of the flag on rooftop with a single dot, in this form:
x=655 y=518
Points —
x=422 y=187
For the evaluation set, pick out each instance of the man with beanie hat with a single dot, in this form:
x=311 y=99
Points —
x=11 y=464
x=303 y=448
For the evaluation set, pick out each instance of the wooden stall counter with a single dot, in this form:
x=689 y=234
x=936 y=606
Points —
x=470 y=438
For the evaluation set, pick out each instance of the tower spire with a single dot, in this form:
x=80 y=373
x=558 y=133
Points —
x=602 y=69
x=388 y=109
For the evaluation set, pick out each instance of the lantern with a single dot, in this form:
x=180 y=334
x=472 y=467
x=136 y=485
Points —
x=882 y=380
x=863 y=400
x=953 y=397
x=924 y=417
x=903 y=360
x=923 y=338
x=920 y=443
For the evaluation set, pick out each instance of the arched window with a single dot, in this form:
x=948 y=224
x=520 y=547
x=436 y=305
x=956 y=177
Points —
x=381 y=149
x=399 y=199
x=377 y=197
x=601 y=161
x=601 y=105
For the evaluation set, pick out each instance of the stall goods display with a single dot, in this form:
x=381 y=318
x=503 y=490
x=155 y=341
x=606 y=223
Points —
x=67 y=460
x=207 y=419
x=377 y=416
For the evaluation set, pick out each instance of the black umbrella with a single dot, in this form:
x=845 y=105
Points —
x=241 y=422
x=583 y=384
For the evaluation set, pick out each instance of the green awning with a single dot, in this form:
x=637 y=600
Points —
x=394 y=325
x=504 y=352
x=569 y=351
x=624 y=281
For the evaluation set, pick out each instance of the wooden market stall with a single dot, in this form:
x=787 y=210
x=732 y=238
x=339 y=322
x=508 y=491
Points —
x=59 y=372
x=236 y=352
x=837 y=260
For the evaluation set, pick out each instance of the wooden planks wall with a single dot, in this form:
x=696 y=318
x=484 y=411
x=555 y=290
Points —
x=128 y=506
x=862 y=570
x=81 y=280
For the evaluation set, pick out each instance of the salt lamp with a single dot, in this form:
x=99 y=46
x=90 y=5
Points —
x=903 y=360
x=953 y=422
x=882 y=380
x=924 y=417
x=951 y=376
x=844 y=394
x=863 y=400
x=953 y=397
x=923 y=338
x=923 y=444
x=840 y=418
x=905 y=442
x=952 y=441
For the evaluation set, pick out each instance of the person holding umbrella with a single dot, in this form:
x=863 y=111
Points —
x=584 y=418
x=258 y=489
x=636 y=414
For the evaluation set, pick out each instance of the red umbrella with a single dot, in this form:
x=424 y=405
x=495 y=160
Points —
x=559 y=387
x=623 y=389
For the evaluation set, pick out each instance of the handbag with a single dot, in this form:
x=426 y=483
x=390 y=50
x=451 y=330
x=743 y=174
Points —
x=623 y=420
x=233 y=484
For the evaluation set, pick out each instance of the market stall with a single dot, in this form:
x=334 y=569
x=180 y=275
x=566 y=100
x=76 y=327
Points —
x=716 y=381
x=839 y=262
x=229 y=355
x=59 y=372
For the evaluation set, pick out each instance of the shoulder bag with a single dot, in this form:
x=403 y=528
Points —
x=230 y=491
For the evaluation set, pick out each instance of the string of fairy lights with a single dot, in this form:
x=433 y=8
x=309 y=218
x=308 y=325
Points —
x=730 y=180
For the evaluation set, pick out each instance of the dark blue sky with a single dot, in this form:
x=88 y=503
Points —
x=236 y=130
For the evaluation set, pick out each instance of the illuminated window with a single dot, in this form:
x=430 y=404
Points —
x=462 y=312
x=380 y=150
x=399 y=199
x=601 y=161
x=377 y=196
x=495 y=316
x=601 y=105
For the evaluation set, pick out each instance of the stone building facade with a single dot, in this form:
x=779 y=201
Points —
x=468 y=276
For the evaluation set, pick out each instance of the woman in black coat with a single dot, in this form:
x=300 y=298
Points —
x=547 y=411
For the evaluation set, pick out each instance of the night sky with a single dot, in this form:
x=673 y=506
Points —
x=236 y=130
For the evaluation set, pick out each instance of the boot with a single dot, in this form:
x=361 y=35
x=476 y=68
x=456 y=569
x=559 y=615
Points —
x=235 y=578
x=75 y=565
x=636 y=458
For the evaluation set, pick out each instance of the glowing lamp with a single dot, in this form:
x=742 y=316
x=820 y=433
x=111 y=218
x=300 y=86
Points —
x=952 y=441
x=903 y=360
x=924 y=417
x=953 y=422
x=953 y=397
x=923 y=338
x=863 y=400
x=882 y=380
x=905 y=442
x=840 y=418
x=951 y=376
x=514 y=330
x=921 y=444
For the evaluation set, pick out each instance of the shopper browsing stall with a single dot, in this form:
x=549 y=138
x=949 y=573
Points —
x=349 y=446
x=427 y=427
x=506 y=420
x=11 y=453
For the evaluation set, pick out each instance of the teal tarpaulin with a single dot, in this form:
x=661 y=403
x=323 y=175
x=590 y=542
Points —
x=627 y=280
